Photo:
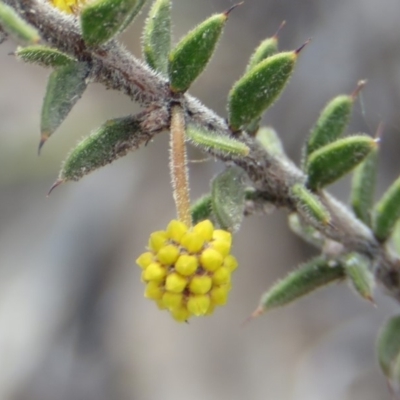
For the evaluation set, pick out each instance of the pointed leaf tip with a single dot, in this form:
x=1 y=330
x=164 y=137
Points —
x=283 y=23
x=57 y=183
x=357 y=90
x=43 y=140
x=297 y=51
x=230 y=9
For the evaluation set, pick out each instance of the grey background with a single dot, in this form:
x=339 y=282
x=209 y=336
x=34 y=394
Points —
x=73 y=320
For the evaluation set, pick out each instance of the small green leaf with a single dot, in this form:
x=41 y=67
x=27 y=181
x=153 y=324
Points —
x=310 y=204
x=252 y=94
x=228 y=198
x=265 y=49
x=329 y=163
x=111 y=141
x=202 y=209
x=359 y=274
x=305 y=231
x=65 y=87
x=157 y=36
x=14 y=25
x=388 y=345
x=43 y=56
x=132 y=15
x=387 y=212
x=270 y=140
x=101 y=20
x=363 y=187
x=331 y=123
x=308 y=277
x=220 y=144
x=192 y=54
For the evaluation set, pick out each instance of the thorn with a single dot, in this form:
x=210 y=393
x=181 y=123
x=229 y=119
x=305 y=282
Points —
x=357 y=90
x=302 y=46
x=253 y=315
x=57 y=183
x=43 y=140
x=283 y=23
x=229 y=10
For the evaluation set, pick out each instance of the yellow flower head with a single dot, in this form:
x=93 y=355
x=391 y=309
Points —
x=68 y=6
x=187 y=271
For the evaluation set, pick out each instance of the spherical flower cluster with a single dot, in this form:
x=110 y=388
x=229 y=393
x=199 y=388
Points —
x=68 y=6
x=187 y=271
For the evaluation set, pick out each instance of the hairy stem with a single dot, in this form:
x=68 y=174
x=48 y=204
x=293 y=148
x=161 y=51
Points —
x=178 y=165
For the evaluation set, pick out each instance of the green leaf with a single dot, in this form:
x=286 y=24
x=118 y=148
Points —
x=363 y=187
x=112 y=140
x=308 y=233
x=192 y=54
x=266 y=48
x=387 y=212
x=101 y=20
x=270 y=140
x=228 y=198
x=308 y=277
x=220 y=144
x=135 y=11
x=331 y=162
x=157 y=36
x=331 y=123
x=14 y=25
x=43 y=56
x=202 y=209
x=310 y=204
x=65 y=87
x=259 y=88
x=359 y=274
x=388 y=345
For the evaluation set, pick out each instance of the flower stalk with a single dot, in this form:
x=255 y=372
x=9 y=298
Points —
x=178 y=166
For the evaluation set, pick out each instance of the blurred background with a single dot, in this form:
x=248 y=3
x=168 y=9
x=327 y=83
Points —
x=73 y=320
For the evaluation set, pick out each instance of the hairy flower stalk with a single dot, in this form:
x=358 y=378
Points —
x=178 y=165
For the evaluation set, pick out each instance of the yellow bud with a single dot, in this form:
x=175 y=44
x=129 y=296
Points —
x=211 y=259
x=180 y=314
x=221 y=275
x=167 y=255
x=157 y=240
x=154 y=272
x=200 y=284
x=175 y=230
x=160 y=304
x=222 y=246
x=172 y=300
x=186 y=265
x=145 y=259
x=175 y=283
x=192 y=242
x=199 y=304
x=219 y=295
x=211 y=309
x=204 y=229
x=220 y=234
x=153 y=291
x=230 y=262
